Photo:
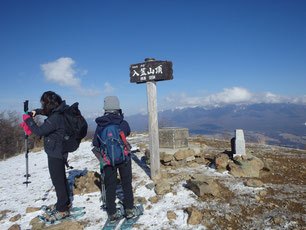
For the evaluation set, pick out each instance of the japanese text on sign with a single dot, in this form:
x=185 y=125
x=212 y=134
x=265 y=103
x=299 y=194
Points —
x=151 y=71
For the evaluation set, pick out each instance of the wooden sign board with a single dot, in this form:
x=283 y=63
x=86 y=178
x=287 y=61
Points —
x=151 y=71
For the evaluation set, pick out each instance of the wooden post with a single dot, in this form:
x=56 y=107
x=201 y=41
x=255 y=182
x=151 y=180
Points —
x=153 y=130
x=149 y=72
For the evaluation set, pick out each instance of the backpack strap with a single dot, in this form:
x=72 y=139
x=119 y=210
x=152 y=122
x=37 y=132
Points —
x=102 y=143
x=122 y=146
x=127 y=145
x=103 y=150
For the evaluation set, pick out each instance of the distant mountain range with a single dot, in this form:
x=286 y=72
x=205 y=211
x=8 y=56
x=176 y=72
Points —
x=278 y=124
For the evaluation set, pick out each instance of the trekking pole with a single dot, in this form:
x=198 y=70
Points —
x=103 y=195
x=27 y=175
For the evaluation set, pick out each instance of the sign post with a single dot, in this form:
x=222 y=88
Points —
x=150 y=72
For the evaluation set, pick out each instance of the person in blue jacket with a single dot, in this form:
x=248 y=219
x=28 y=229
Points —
x=53 y=130
x=113 y=115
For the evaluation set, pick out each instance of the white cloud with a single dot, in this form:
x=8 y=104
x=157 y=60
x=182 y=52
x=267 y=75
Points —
x=63 y=72
x=235 y=95
x=108 y=88
x=230 y=96
x=300 y=100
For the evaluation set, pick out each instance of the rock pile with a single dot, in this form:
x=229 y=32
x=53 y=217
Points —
x=202 y=185
x=183 y=157
x=91 y=182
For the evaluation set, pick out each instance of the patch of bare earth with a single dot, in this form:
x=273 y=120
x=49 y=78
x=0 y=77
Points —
x=279 y=204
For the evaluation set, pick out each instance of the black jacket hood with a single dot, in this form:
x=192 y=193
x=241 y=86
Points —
x=109 y=119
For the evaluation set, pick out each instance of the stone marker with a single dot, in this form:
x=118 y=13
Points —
x=173 y=138
x=239 y=142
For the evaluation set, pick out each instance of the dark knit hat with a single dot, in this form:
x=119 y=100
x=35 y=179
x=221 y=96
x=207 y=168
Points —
x=111 y=103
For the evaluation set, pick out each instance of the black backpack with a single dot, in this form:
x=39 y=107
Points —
x=75 y=128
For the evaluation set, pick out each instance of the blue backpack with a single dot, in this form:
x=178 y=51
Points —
x=115 y=149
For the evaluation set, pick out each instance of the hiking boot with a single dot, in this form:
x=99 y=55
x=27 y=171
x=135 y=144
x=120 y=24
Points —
x=115 y=217
x=56 y=215
x=129 y=213
x=52 y=208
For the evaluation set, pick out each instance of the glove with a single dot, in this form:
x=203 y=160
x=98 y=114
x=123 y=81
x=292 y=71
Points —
x=25 y=128
x=25 y=116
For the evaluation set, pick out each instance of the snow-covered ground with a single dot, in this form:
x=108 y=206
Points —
x=16 y=197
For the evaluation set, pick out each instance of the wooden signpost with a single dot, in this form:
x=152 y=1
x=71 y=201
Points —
x=149 y=72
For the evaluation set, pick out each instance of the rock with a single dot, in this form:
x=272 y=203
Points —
x=221 y=170
x=32 y=209
x=201 y=160
x=14 y=227
x=36 y=224
x=88 y=183
x=34 y=221
x=255 y=162
x=183 y=154
x=200 y=188
x=236 y=170
x=174 y=163
x=249 y=166
x=3 y=213
x=254 y=183
x=267 y=164
x=154 y=199
x=177 y=164
x=165 y=157
x=194 y=216
x=171 y=215
x=228 y=217
x=184 y=176
x=162 y=187
x=150 y=185
x=199 y=177
x=139 y=199
x=221 y=161
x=65 y=225
x=244 y=157
x=200 y=152
x=263 y=193
x=191 y=158
x=193 y=165
x=257 y=198
x=15 y=218
x=278 y=220
x=209 y=156
x=237 y=158
x=179 y=155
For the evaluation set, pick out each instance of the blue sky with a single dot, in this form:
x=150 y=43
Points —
x=223 y=52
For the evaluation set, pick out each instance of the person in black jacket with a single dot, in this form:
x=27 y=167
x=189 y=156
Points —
x=53 y=130
x=113 y=115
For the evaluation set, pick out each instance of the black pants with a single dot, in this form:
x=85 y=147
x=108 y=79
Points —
x=110 y=181
x=59 y=180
